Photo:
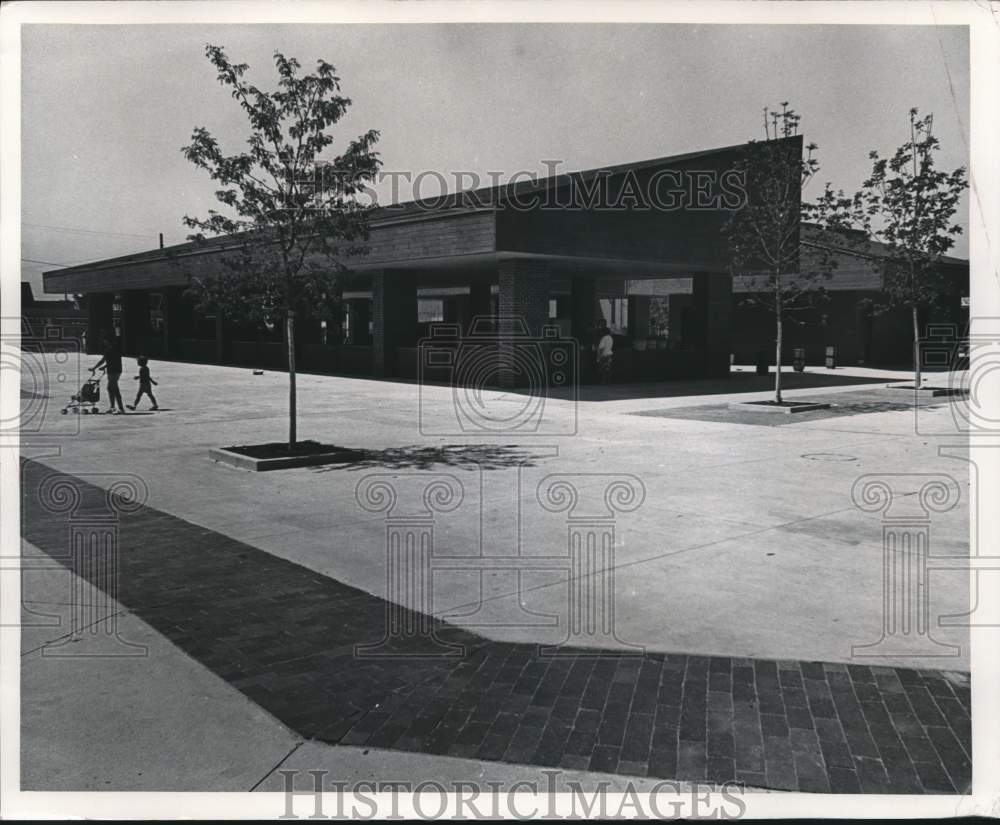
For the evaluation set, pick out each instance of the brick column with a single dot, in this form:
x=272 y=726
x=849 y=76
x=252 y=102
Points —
x=394 y=313
x=524 y=292
x=523 y=311
x=100 y=319
x=713 y=302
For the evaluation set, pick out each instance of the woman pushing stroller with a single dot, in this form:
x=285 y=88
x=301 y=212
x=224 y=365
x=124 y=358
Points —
x=112 y=363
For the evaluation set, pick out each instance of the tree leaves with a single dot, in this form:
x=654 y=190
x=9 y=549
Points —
x=909 y=205
x=784 y=274
x=294 y=214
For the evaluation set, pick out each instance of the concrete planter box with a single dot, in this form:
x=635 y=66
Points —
x=242 y=461
x=784 y=408
x=933 y=392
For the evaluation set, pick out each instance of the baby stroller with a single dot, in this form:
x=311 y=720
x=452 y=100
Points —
x=87 y=399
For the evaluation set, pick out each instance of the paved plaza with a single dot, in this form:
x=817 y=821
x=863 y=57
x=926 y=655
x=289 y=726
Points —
x=747 y=584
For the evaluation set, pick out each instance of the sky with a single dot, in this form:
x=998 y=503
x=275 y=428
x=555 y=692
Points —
x=106 y=109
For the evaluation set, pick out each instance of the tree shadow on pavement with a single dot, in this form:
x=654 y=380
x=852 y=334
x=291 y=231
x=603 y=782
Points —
x=486 y=456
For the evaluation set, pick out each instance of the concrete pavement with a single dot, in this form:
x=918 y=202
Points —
x=747 y=543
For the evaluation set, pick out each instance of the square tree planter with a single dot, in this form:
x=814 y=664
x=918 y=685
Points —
x=933 y=392
x=275 y=455
x=785 y=407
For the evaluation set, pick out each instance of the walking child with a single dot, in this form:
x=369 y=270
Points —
x=145 y=384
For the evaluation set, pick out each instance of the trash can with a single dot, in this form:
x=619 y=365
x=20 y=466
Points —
x=761 y=361
x=799 y=359
x=831 y=358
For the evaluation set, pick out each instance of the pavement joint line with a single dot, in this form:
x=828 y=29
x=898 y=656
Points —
x=281 y=762
x=649 y=559
x=115 y=615
x=240 y=611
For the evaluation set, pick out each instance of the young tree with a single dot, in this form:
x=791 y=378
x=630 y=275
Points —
x=293 y=215
x=784 y=275
x=909 y=206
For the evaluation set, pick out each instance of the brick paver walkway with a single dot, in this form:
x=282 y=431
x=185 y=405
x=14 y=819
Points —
x=285 y=637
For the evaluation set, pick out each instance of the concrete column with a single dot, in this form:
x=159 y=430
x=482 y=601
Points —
x=176 y=319
x=222 y=338
x=480 y=302
x=678 y=310
x=359 y=312
x=334 y=333
x=638 y=316
x=100 y=319
x=584 y=311
x=713 y=302
x=394 y=312
x=135 y=320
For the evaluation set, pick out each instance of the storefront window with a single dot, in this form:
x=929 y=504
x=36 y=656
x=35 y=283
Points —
x=430 y=310
x=615 y=312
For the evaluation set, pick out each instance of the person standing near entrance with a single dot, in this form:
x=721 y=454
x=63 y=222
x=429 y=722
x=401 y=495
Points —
x=112 y=363
x=605 y=355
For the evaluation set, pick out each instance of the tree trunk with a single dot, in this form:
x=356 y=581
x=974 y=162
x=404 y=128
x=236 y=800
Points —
x=916 y=348
x=290 y=342
x=777 y=362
